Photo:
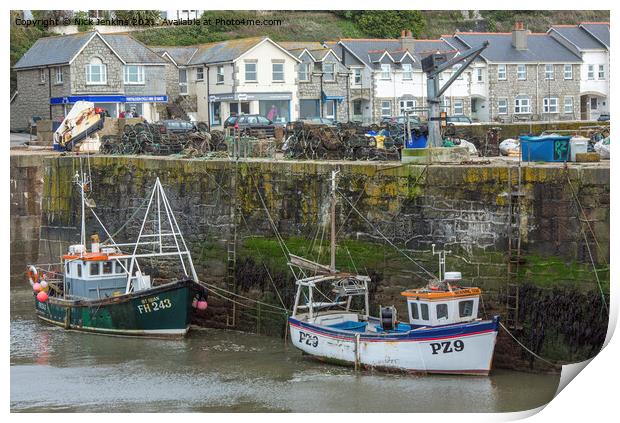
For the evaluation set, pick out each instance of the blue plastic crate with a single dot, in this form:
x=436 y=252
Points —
x=416 y=141
x=550 y=148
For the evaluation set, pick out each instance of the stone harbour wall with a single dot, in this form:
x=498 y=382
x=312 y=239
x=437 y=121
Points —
x=462 y=208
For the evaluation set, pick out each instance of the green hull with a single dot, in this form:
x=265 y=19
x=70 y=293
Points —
x=162 y=311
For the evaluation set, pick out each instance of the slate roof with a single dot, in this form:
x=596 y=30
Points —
x=223 y=51
x=316 y=49
x=62 y=49
x=578 y=36
x=181 y=55
x=600 y=30
x=370 y=50
x=131 y=50
x=541 y=48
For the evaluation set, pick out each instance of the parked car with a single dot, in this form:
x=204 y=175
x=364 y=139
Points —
x=179 y=126
x=604 y=117
x=230 y=122
x=255 y=126
x=459 y=120
x=400 y=120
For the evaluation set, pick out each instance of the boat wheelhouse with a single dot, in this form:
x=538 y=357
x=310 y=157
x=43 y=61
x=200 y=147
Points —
x=443 y=335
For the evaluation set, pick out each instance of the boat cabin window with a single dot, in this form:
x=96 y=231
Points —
x=67 y=269
x=442 y=311
x=424 y=311
x=94 y=269
x=466 y=308
x=107 y=267
x=118 y=266
x=79 y=270
x=414 y=311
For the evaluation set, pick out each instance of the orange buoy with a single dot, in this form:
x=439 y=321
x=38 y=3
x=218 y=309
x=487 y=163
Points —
x=42 y=296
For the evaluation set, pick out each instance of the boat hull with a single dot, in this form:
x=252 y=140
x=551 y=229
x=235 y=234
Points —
x=162 y=311
x=456 y=349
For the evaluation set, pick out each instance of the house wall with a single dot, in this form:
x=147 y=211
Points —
x=97 y=48
x=154 y=82
x=536 y=88
x=595 y=58
x=31 y=100
x=311 y=90
x=172 y=80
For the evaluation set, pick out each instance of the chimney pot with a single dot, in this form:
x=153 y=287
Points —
x=406 y=41
x=519 y=36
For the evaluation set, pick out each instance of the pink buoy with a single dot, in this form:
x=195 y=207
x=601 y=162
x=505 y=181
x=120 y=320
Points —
x=201 y=305
x=195 y=303
x=42 y=297
x=43 y=285
x=36 y=287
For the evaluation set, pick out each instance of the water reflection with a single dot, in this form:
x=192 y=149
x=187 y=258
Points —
x=216 y=370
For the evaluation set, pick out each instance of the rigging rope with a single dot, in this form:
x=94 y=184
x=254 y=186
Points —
x=386 y=238
x=585 y=238
x=526 y=348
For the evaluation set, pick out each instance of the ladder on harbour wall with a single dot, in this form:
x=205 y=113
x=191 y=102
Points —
x=515 y=195
x=231 y=248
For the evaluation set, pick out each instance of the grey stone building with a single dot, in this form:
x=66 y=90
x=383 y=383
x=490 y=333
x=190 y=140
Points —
x=322 y=82
x=530 y=76
x=114 y=71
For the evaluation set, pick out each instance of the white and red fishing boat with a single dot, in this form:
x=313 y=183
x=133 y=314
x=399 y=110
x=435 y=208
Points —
x=442 y=333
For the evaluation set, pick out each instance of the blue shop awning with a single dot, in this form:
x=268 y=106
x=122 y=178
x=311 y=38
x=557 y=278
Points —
x=338 y=98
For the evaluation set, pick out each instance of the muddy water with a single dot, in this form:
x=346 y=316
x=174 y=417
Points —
x=213 y=370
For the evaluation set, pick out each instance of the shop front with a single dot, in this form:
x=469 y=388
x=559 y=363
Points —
x=116 y=105
x=274 y=106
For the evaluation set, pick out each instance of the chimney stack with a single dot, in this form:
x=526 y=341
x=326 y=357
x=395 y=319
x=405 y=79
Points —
x=406 y=41
x=519 y=36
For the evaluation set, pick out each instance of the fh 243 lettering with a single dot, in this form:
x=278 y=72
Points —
x=447 y=347
x=150 y=305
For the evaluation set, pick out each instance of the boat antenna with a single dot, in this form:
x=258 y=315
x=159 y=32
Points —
x=442 y=261
x=82 y=182
x=332 y=265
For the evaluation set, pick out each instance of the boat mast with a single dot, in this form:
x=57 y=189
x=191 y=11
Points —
x=332 y=266
x=81 y=181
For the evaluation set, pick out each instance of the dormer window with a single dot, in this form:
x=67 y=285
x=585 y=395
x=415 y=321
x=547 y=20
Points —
x=328 y=72
x=385 y=71
x=407 y=71
x=96 y=73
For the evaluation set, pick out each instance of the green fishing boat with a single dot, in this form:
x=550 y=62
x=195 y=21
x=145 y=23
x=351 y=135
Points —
x=105 y=290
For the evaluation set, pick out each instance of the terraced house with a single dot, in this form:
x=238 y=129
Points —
x=392 y=70
x=114 y=71
x=590 y=41
x=322 y=81
x=244 y=76
x=531 y=76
